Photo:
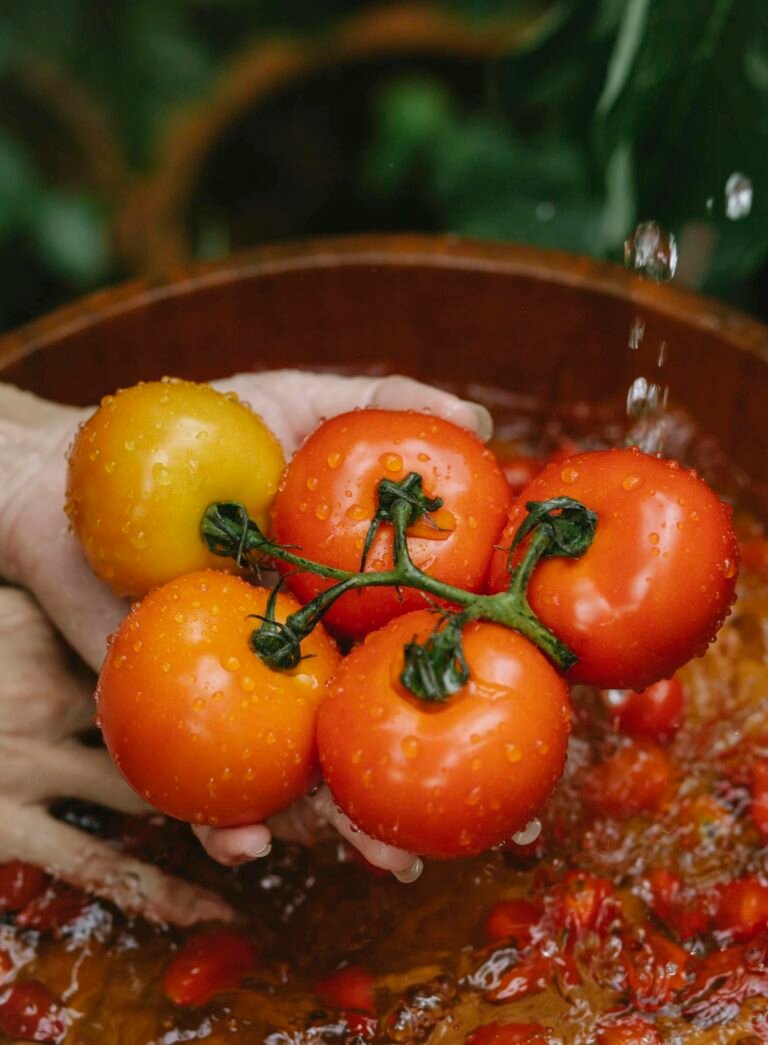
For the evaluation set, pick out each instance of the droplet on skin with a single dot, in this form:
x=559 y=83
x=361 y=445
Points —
x=654 y=538
x=356 y=513
x=513 y=752
x=392 y=462
x=129 y=445
x=323 y=510
x=423 y=457
x=474 y=796
x=161 y=475
x=411 y=746
x=231 y=664
x=376 y=711
x=729 y=569
x=529 y=833
x=199 y=704
x=632 y=482
x=312 y=482
x=569 y=475
x=109 y=467
x=334 y=459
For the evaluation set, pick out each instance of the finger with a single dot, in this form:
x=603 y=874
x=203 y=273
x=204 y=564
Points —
x=404 y=865
x=233 y=846
x=293 y=402
x=28 y=833
x=299 y=823
x=70 y=770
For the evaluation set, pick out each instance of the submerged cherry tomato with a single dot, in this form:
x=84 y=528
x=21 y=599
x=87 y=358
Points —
x=194 y=720
x=655 y=713
x=635 y=779
x=513 y=920
x=32 y=1012
x=349 y=988
x=145 y=467
x=328 y=499
x=452 y=778
x=658 y=580
x=210 y=962
x=19 y=883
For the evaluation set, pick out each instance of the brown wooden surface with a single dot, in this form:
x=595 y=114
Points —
x=443 y=310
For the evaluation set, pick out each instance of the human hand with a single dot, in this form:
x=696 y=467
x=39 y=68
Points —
x=38 y=550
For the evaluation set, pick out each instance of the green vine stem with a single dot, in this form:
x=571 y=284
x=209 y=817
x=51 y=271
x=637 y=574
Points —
x=558 y=527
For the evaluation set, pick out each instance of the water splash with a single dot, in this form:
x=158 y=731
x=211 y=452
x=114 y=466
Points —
x=738 y=196
x=652 y=252
x=636 y=333
x=646 y=409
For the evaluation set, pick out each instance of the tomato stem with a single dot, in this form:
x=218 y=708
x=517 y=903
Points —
x=559 y=527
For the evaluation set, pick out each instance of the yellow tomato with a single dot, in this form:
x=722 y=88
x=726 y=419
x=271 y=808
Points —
x=146 y=465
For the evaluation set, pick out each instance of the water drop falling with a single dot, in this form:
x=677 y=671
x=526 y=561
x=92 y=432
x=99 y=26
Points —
x=636 y=333
x=738 y=196
x=529 y=833
x=652 y=252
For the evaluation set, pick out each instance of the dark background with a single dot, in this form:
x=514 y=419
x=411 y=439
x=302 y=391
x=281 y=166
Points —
x=136 y=135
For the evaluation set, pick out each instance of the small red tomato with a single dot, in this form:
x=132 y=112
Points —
x=237 y=738
x=760 y=795
x=634 y=780
x=658 y=580
x=742 y=907
x=685 y=912
x=586 y=902
x=628 y=1030
x=509 y=1034
x=19 y=883
x=444 y=778
x=361 y=1025
x=327 y=501
x=349 y=988
x=7 y=967
x=656 y=970
x=530 y=976
x=56 y=907
x=513 y=920
x=31 y=1012
x=655 y=713
x=208 y=963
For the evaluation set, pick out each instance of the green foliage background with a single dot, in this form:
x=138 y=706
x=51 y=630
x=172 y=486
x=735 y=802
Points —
x=606 y=112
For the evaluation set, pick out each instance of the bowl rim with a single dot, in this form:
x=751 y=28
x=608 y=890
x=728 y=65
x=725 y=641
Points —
x=392 y=250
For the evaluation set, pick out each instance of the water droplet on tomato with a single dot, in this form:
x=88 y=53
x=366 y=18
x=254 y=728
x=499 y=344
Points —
x=376 y=710
x=270 y=737
x=109 y=467
x=729 y=569
x=166 y=667
x=654 y=538
x=312 y=482
x=334 y=459
x=513 y=752
x=569 y=475
x=323 y=510
x=411 y=746
x=356 y=512
x=198 y=704
x=423 y=457
x=218 y=696
x=392 y=462
x=248 y=683
x=474 y=796
x=472 y=522
x=631 y=482
x=129 y=445
x=542 y=747
x=231 y=664
x=161 y=475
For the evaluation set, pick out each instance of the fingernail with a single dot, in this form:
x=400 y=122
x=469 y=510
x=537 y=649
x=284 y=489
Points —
x=484 y=422
x=264 y=851
x=410 y=874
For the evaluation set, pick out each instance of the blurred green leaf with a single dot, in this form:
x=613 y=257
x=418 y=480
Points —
x=19 y=186
x=69 y=233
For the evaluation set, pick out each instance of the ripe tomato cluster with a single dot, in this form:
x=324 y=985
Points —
x=464 y=612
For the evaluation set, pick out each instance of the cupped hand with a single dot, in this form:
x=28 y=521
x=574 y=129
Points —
x=38 y=552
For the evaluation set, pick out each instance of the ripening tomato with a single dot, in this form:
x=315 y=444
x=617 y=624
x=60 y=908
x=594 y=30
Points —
x=513 y=920
x=452 y=778
x=207 y=963
x=742 y=907
x=146 y=465
x=327 y=501
x=194 y=720
x=635 y=779
x=658 y=580
x=32 y=1012
x=348 y=988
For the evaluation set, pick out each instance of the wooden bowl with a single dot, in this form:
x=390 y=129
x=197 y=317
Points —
x=444 y=310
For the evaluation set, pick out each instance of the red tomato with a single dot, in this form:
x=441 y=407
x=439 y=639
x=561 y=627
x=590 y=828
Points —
x=513 y=920
x=19 y=883
x=54 y=908
x=760 y=795
x=509 y=1034
x=656 y=970
x=684 y=912
x=634 y=780
x=656 y=584
x=327 y=501
x=530 y=976
x=7 y=968
x=361 y=1025
x=237 y=739
x=208 y=963
x=587 y=902
x=349 y=988
x=452 y=778
x=629 y=1030
x=655 y=713
x=742 y=907
x=31 y=1012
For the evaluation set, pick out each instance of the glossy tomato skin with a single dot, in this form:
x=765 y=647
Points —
x=656 y=584
x=146 y=465
x=328 y=498
x=194 y=721
x=448 y=779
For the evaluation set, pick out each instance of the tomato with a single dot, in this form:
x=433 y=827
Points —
x=328 y=499
x=655 y=713
x=760 y=795
x=7 y=967
x=210 y=962
x=681 y=910
x=349 y=988
x=237 y=739
x=31 y=1012
x=509 y=1034
x=530 y=976
x=19 y=883
x=658 y=580
x=513 y=920
x=742 y=907
x=146 y=465
x=635 y=779
x=586 y=903
x=54 y=908
x=452 y=778
x=656 y=970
